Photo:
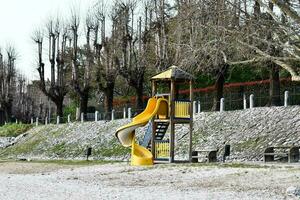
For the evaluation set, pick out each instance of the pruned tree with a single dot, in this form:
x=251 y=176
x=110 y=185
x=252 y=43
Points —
x=133 y=44
x=56 y=89
x=7 y=81
x=105 y=58
x=83 y=57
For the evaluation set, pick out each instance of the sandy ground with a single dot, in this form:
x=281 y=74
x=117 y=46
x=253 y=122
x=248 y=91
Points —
x=26 y=180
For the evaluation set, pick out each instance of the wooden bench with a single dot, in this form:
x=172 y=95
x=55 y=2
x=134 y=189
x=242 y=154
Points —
x=289 y=152
x=209 y=154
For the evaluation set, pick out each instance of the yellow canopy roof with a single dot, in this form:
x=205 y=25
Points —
x=174 y=73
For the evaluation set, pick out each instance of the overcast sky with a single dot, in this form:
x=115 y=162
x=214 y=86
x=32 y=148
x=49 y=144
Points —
x=18 y=20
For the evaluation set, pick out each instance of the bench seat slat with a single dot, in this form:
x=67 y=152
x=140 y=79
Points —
x=279 y=154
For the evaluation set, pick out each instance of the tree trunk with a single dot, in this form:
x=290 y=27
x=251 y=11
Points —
x=59 y=107
x=108 y=99
x=274 y=89
x=219 y=87
x=139 y=96
x=84 y=99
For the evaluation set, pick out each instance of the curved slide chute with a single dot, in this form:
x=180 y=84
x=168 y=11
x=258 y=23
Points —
x=126 y=134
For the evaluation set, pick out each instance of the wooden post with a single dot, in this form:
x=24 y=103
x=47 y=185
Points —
x=57 y=120
x=191 y=123
x=153 y=85
x=37 y=121
x=46 y=120
x=172 y=134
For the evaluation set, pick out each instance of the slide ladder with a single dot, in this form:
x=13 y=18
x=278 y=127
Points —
x=160 y=132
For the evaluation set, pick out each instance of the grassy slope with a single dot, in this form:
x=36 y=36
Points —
x=13 y=130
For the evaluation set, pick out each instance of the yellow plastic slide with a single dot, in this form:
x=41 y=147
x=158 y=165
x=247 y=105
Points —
x=126 y=134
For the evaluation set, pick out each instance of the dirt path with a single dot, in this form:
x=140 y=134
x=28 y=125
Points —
x=121 y=181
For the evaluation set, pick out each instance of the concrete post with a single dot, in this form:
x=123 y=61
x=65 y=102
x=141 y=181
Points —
x=77 y=114
x=37 y=121
x=46 y=120
x=286 y=98
x=96 y=116
x=245 y=101
x=57 y=120
x=124 y=113
x=251 y=101
x=31 y=120
x=194 y=107
x=81 y=117
x=69 y=118
x=112 y=114
x=222 y=105
x=199 y=107
x=16 y=121
x=129 y=113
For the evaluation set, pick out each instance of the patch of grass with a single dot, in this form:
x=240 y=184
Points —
x=13 y=130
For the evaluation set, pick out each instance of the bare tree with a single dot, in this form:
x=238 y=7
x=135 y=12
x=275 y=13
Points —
x=82 y=59
x=56 y=88
x=105 y=58
x=7 y=81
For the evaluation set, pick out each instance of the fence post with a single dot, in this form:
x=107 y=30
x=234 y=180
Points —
x=286 y=98
x=69 y=118
x=251 y=101
x=81 y=117
x=77 y=114
x=222 y=105
x=199 y=107
x=113 y=114
x=194 y=107
x=37 y=121
x=57 y=120
x=5 y=123
x=96 y=116
x=245 y=101
x=16 y=121
x=129 y=113
x=46 y=120
x=31 y=120
x=124 y=113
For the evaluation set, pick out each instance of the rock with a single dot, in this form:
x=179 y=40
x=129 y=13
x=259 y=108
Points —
x=293 y=191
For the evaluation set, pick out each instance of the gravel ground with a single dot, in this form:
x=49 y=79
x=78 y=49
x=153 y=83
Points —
x=27 y=180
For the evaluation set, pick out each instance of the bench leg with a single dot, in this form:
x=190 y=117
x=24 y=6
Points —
x=268 y=158
x=194 y=153
x=293 y=155
x=212 y=156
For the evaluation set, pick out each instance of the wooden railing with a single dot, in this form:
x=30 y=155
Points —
x=182 y=109
x=162 y=149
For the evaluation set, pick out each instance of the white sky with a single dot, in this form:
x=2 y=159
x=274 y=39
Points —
x=19 y=19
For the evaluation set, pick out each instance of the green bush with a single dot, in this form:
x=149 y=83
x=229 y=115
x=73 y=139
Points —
x=13 y=130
